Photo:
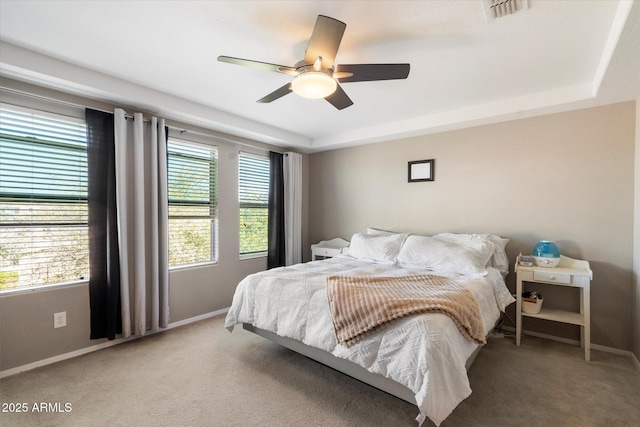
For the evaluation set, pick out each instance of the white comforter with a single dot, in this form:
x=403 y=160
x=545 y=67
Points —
x=424 y=352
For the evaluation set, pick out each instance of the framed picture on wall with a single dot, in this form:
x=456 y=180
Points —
x=422 y=170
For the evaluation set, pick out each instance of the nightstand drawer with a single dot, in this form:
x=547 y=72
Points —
x=319 y=251
x=551 y=276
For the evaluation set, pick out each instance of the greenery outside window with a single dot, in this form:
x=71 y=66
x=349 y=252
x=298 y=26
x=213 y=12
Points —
x=44 y=236
x=253 y=195
x=193 y=202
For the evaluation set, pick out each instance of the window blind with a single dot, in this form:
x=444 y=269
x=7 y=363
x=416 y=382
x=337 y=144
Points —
x=43 y=198
x=192 y=190
x=253 y=195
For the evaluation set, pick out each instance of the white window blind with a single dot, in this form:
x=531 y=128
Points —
x=253 y=195
x=193 y=222
x=43 y=198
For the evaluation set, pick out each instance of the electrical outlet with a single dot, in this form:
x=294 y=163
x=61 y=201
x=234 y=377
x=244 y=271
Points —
x=60 y=319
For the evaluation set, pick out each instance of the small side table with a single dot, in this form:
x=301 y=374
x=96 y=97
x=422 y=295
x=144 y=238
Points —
x=328 y=248
x=569 y=272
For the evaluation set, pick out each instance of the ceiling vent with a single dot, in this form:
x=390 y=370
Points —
x=495 y=9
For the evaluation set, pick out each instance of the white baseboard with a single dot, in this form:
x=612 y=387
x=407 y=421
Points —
x=198 y=318
x=107 y=344
x=635 y=361
x=577 y=343
x=65 y=356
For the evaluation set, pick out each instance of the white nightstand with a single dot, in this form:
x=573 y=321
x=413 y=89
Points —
x=569 y=272
x=328 y=248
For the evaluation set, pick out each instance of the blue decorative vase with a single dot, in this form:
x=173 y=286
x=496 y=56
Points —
x=546 y=254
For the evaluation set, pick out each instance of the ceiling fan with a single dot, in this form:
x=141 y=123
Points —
x=316 y=76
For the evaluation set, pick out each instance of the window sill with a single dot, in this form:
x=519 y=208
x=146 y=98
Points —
x=192 y=266
x=41 y=288
x=253 y=256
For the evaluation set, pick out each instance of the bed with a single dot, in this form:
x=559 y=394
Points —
x=421 y=358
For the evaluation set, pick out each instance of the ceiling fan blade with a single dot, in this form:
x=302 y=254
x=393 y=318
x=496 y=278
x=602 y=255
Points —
x=370 y=72
x=339 y=99
x=278 y=93
x=257 y=64
x=325 y=41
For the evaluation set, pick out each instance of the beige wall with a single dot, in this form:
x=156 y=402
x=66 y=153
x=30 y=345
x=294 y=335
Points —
x=27 y=334
x=566 y=177
x=485 y=180
x=26 y=319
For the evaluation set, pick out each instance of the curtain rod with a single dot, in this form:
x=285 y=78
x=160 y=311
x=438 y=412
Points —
x=181 y=129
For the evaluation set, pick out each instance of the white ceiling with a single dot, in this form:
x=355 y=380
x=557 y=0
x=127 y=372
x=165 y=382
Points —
x=161 y=56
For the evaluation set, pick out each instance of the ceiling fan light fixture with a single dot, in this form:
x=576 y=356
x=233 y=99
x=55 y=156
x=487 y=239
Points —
x=315 y=76
x=314 y=85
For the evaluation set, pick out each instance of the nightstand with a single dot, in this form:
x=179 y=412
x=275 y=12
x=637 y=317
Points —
x=328 y=248
x=569 y=272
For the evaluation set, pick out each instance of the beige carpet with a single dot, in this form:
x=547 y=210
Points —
x=201 y=375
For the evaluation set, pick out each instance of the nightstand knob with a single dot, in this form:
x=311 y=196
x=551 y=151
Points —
x=552 y=277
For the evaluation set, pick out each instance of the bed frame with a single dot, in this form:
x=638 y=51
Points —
x=345 y=366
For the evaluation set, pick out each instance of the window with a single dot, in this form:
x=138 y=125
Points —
x=43 y=199
x=193 y=222
x=253 y=194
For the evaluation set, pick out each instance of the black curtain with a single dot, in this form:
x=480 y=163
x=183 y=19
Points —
x=276 y=254
x=104 y=282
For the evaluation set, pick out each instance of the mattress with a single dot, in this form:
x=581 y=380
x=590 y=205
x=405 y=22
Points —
x=424 y=352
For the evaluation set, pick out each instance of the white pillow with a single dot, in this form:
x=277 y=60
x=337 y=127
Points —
x=446 y=256
x=378 y=232
x=499 y=260
x=378 y=248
